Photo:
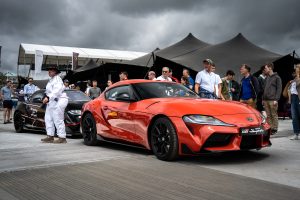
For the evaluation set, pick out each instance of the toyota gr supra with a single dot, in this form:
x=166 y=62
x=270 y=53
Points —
x=30 y=114
x=171 y=120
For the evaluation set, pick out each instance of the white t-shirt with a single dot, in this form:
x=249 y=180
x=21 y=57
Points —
x=219 y=81
x=293 y=88
x=161 y=78
x=208 y=81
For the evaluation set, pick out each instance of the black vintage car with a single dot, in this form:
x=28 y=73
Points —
x=30 y=114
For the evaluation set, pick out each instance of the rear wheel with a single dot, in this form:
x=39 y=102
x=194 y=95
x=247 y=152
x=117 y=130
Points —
x=89 y=131
x=164 y=141
x=18 y=122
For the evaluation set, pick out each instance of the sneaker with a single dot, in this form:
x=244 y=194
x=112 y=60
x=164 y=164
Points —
x=48 y=139
x=60 y=141
x=295 y=137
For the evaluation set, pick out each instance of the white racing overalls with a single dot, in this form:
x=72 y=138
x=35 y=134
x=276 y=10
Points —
x=58 y=100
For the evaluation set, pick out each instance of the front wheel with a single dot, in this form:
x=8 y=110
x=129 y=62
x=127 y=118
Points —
x=164 y=141
x=89 y=131
x=18 y=122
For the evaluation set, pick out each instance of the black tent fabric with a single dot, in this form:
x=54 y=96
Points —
x=229 y=55
x=187 y=45
x=91 y=64
x=145 y=61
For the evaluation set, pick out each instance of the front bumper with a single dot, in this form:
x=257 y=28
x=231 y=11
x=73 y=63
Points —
x=196 y=138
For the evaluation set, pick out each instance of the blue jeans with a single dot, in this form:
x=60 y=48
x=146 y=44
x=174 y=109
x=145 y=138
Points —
x=206 y=94
x=295 y=109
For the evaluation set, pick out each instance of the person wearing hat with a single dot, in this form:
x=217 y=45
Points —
x=206 y=81
x=56 y=100
x=66 y=84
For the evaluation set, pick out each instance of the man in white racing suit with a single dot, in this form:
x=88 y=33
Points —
x=56 y=100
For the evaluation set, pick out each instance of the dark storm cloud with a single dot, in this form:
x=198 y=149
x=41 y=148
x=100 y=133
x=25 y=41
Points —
x=143 y=25
x=31 y=17
x=145 y=7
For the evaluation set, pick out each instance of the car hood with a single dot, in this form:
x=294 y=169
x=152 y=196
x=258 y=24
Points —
x=184 y=106
x=76 y=105
x=227 y=111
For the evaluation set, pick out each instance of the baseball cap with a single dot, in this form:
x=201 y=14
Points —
x=209 y=61
x=66 y=81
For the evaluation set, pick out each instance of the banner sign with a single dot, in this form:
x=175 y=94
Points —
x=75 y=60
x=38 y=61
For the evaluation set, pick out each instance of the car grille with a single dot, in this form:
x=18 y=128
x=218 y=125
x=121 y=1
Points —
x=250 y=142
x=218 y=140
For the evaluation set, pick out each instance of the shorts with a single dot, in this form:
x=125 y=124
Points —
x=8 y=104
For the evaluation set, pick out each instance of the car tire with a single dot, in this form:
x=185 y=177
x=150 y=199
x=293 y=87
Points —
x=163 y=139
x=89 y=131
x=18 y=122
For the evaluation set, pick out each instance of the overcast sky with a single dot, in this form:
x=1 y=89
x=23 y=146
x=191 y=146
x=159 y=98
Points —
x=143 y=25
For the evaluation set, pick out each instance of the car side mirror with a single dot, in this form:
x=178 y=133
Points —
x=37 y=100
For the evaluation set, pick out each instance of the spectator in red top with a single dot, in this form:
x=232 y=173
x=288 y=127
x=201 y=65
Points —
x=172 y=77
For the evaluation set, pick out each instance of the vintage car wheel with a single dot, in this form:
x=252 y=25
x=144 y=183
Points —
x=164 y=141
x=89 y=131
x=18 y=122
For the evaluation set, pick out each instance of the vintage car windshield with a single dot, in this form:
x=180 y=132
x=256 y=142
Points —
x=75 y=95
x=163 y=90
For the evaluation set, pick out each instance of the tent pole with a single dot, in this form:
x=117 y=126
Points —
x=293 y=59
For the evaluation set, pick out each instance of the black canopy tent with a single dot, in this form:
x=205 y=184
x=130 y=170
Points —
x=229 y=55
x=163 y=57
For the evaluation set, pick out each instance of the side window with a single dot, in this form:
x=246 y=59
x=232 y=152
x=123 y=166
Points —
x=112 y=94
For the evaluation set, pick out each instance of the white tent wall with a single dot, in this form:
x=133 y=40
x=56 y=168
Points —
x=60 y=55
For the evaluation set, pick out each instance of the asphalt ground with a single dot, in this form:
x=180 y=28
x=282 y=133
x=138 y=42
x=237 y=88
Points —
x=30 y=169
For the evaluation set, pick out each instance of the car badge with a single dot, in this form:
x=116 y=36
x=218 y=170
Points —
x=250 y=119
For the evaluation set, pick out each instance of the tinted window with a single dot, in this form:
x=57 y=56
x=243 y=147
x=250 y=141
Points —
x=113 y=93
x=163 y=90
x=76 y=95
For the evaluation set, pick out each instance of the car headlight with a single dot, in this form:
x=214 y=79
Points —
x=75 y=112
x=202 y=119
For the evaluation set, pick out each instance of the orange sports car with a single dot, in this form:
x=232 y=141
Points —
x=171 y=120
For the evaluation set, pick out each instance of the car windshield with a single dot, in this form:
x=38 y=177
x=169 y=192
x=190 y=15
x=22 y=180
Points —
x=163 y=90
x=75 y=95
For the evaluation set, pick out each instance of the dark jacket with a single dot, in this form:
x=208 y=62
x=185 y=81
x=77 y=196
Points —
x=255 y=88
x=273 y=88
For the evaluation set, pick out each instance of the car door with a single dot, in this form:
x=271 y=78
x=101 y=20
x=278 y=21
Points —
x=35 y=110
x=118 y=111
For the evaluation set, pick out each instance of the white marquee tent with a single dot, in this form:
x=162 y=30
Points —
x=60 y=55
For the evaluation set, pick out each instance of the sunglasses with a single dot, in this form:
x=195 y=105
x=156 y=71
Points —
x=165 y=71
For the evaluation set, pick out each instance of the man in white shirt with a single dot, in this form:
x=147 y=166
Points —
x=165 y=75
x=207 y=81
x=219 y=82
x=29 y=89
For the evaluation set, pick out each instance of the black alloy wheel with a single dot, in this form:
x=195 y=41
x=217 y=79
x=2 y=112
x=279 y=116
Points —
x=18 y=122
x=89 y=131
x=164 y=141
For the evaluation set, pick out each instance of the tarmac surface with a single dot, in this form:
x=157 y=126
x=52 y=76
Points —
x=30 y=169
